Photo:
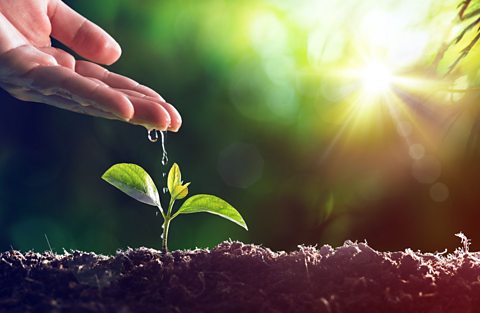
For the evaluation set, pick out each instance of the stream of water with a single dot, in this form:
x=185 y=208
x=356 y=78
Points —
x=153 y=136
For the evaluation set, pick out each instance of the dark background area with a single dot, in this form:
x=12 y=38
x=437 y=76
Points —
x=259 y=119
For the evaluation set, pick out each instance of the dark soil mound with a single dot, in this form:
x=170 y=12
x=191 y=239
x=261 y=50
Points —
x=234 y=277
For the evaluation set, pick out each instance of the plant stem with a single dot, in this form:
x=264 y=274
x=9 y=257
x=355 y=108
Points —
x=166 y=226
x=161 y=211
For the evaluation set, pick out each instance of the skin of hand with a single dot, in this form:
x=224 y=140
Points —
x=32 y=70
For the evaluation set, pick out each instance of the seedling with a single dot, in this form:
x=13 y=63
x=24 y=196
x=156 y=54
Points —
x=135 y=182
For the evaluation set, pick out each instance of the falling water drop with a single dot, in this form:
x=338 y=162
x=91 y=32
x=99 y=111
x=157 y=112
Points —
x=164 y=189
x=164 y=156
x=153 y=135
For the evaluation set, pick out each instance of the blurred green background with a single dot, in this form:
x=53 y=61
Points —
x=270 y=123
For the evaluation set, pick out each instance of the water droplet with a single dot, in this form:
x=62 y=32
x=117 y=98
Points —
x=164 y=174
x=165 y=190
x=161 y=236
x=164 y=156
x=153 y=135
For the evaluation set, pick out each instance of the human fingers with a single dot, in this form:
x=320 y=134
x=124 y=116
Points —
x=63 y=58
x=146 y=114
x=175 y=118
x=58 y=80
x=147 y=111
x=149 y=114
x=129 y=87
x=140 y=103
x=81 y=35
x=11 y=38
x=114 y=80
x=58 y=101
x=22 y=59
x=72 y=97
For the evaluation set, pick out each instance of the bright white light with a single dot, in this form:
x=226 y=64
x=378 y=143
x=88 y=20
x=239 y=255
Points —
x=376 y=78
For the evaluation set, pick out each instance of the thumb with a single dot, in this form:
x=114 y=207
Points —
x=81 y=35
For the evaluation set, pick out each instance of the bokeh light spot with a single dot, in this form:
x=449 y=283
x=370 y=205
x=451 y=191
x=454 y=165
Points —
x=439 y=192
x=427 y=170
x=416 y=151
x=240 y=165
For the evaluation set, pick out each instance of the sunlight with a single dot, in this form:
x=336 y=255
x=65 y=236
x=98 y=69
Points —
x=375 y=78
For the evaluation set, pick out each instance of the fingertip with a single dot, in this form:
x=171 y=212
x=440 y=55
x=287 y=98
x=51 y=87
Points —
x=159 y=121
x=162 y=121
x=175 y=127
x=150 y=114
x=126 y=110
x=175 y=117
x=111 y=52
x=106 y=51
x=81 y=35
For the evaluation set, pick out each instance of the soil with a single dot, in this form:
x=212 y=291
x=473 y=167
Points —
x=237 y=277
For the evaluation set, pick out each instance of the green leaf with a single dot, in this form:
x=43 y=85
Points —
x=180 y=191
x=134 y=181
x=214 y=205
x=174 y=178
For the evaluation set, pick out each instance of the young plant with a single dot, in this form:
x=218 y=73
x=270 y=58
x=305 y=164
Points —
x=135 y=182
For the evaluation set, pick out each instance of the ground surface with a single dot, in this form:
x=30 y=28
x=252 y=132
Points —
x=234 y=277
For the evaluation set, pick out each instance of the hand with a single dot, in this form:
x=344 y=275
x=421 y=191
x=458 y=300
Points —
x=32 y=70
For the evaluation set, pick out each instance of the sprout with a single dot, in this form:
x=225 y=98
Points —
x=135 y=182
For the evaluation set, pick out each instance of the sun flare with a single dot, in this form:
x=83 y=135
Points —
x=376 y=78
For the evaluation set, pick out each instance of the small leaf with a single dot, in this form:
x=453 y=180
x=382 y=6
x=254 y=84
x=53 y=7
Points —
x=174 y=178
x=180 y=191
x=214 y=205
x=134 y=181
